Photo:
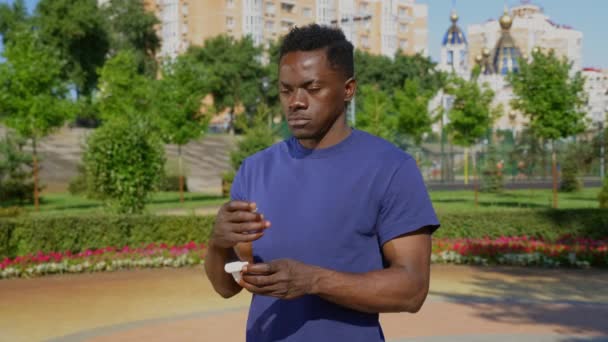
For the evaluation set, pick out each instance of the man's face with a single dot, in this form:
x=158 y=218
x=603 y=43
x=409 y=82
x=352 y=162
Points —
x=312 y=93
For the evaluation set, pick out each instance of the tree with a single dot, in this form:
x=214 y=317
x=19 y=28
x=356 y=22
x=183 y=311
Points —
x=33 y=98
x=551 y=97
x=180 y=93
x=373 y=69
x=124 y=163
x=13 y=18
x=124 y=92
x=470 y=115
x=408 y=82
x=390 y=74
x=237 y=70
x=376 y=115
x=77 y=29
x=271 y=77
x=415 y=67
x=411 y=106
x=133 y=28
x=125 y=157
x=15 y=178
x=258 y=136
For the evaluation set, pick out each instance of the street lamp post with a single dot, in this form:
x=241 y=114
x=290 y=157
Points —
x=350 y=20
x=265 y=88
x=602 y=143
x=512 y=117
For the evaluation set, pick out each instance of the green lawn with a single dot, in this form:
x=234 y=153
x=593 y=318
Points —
x=513 y=200
x=65 y=203
x=444 y=201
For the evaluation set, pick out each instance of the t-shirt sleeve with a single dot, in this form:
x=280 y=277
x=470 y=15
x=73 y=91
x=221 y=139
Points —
x=237 y=190
x=405 y=206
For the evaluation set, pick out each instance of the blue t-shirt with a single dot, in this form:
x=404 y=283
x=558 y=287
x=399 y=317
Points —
x=334 y=208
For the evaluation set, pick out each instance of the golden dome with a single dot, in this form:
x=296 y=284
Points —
x=506 y=21
x=478 y=58
x=454 y=17
x=485 y=52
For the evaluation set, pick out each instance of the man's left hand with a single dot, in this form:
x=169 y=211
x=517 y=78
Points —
x=284 y=278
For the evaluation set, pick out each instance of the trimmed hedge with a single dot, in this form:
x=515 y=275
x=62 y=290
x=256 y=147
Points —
x=548 y=224
x=20 y=236
x=23 y=235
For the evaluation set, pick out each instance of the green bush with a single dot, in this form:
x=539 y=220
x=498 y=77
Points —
x=78 y=185
x=20 y=236
x=171 y=183
x=603 y=195
x=548 y=224
x=258 y=136
x=227 y=179
x=11 y=211
x=124 y=162
x=576 y=158
x=16 y=184
x=6 y=230
x=23 y=235
x=570 y=181
x=491 y=176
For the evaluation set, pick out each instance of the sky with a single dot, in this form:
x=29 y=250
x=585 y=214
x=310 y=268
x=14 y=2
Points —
x=588 y=16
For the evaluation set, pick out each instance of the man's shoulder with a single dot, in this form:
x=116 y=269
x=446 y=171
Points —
x=382 y=149
x=265 y=155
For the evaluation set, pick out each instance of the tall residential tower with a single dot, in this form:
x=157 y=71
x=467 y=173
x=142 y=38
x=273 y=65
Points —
x=379 y=27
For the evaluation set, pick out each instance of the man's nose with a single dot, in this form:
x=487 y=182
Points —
x=297 y=100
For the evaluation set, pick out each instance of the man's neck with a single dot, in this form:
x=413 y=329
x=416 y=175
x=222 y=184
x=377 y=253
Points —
x=338 y=132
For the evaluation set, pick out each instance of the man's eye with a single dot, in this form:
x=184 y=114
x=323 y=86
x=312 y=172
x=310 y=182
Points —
x=314 y=89
x=284 y=91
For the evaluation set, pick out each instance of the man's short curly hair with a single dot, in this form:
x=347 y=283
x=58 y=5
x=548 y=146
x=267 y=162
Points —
x=314 y=37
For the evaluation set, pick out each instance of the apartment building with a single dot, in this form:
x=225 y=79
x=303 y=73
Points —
x=379 y=27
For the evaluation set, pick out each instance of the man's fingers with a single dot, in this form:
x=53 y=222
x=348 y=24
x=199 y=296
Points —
x=252 y=227
x=259 y=269
x=270 y=290
x=241 y=205
x=243 y=216
x=240 y=237
x=259 y=280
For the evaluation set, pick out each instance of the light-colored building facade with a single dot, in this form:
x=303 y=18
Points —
x=379 y=27
x=530 y=28
x=596 y=87
x=497 y=45
x=454 y=50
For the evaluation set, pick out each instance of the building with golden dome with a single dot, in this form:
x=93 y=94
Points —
x=496 y=46
x=454 y=49
x=525 y=27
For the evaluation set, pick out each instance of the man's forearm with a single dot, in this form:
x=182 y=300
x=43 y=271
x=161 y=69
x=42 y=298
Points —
x=389 y=290
x=222 y=282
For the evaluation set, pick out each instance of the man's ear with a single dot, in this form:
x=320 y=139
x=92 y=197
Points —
x=350 y=88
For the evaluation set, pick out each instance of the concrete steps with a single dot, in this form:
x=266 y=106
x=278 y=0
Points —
x=204 y=159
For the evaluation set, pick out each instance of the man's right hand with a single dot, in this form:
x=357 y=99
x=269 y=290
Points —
x=237 y=222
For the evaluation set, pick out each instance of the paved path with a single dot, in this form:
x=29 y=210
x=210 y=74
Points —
x=466 y=304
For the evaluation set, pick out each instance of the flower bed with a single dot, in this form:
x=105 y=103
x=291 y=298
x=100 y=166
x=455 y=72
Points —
x=519 y=251
x=104 y=259
x=522 y=251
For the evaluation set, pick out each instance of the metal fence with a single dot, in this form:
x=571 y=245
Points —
x=519 y=158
